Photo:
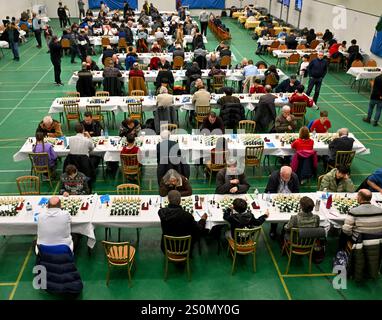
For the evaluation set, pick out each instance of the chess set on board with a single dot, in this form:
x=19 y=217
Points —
x=287 y=138
x=73 y=205
x=326 y=137
x=128 y=206
x=287 y=204
x=251 y=140
x=208 y=141
x=141 y=140
x=96 y=100
x=344 y=204
x=372 y=69
x=69 y=100
x=189 y=204
x=51 y=140
x=11 y=206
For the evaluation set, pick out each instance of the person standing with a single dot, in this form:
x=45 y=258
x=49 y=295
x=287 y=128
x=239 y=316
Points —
x=203 y=18
x=36 y=25
x=55 y=56
x=317 y=70
x=61 y=13
x=12 y=34
x=67 y=14
x=81 y=8
x=375 y=100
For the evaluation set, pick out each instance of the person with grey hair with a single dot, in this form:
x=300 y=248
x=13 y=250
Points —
x=342 y=143
x=173 y=180
x=50 y=127
x=164 y=99
x=230 y=181
x=177 y=222
x=286 y=121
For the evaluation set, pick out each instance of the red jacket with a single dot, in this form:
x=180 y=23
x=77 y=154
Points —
x=304 y=154
x=302 y=144
x=334 y=48
x=136 y=73
x=295 y=97
x=258 y=89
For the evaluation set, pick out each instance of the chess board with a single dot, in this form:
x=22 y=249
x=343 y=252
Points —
x=209 y=141
x=252 y=140
x=187 y=204
x=71 y=204
x=10 y=207
x=326 y=137
x=98 y=100
x=69 y=100
x=288 y=138
x=344 y=204
x=143 y=140
x=125 y=206
x=287 y=204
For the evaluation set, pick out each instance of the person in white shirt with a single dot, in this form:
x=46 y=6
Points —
x=303 y=71
x=81 y=143
x=203 y=18
x=53 y=226
x=159 y=34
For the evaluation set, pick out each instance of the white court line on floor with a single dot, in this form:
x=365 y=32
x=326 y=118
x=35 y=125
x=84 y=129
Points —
x=25 y=96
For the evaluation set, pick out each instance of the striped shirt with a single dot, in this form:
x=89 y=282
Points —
x=80 y=145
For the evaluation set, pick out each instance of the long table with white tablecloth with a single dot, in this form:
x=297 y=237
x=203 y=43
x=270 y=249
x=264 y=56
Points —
x=179 y=75
x=193 y=147
x=142 y=211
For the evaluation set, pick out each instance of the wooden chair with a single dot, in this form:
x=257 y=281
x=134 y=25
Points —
x=248 y=126
x=130 y=166
x=217 y=82
x=274 y=46
x=335 y=61
x=28 y=185
x=225 y=62
x=357 y=64
x=102 y=94
x=371 y=64
x=135 y=110
x=312 y=56
x=244 y=243
x=282 y=47
x=292 y=60
x=314 y=44
x=137 y=93
x=169 y=127
x=298 y=246
x=298 y=109
x=40 y=165
x=105 y=41
x=319 y=180
x=72 y=113
x=301 y=47
x=344 y=158
x=200 y=113
x=178 y=63
x=177 y=249
x=72 y=94
x=122 y=45
x=96 y=111
x=217 y=162
x=65 y=45
x=253 y=156
x=128 y=189
x=120 y=254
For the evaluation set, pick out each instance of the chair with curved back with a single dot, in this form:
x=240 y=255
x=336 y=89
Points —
x=274 y=46
x=357 y=64
x=72 y=113
x=217 y=82
x=344 y=158
x=65 y=45
x=319 y=180
x=137 y=93
x=371 y=63
x=96 y=111
x=178 y=63
x=301 y=47
x=335 y=61
x=72 y=94
x=40 y=165
x=292 y=60
x=200 y=113
x=28 y=185
x=312 y=56
x=248 y=126
x=177 y=249
x=122 y=45
x=135 y=110
x=244 y=243
x=108 y=61
x=130 y=166
x=314 y=44
x=105 y=41
x=172 y=127
x=253 y=156
x=137 y=83
x=102 y=94
x=282 y=47
x=119 y=254
x=217 y=162
x=225 y=62
x=298 y=109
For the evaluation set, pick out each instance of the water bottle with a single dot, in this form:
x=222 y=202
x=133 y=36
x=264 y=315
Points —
x=314 y=134
x=65 y=141
x=268 y=199
x=101 y=132
x=106 y=133
x=256 y=193
x=325 y=194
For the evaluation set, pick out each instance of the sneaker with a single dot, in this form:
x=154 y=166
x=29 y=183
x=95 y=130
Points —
x=375 y=123
x=366 y=120
x=61 y=84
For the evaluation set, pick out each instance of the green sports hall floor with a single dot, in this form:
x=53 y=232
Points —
x=26 y=92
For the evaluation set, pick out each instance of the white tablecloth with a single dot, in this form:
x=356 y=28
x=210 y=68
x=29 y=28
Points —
x=267 y=42
x=4 y=44
x=364 y=73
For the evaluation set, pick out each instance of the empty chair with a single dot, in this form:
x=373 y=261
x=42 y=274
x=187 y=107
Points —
x=274 y=46
x=344 y=158
x=177 y=250
x=72 y=113
x=178 y=63
x=298 y=109
x=225 y=62
x=293 y=60
x=128 y=189
x=102 y=94
x=248 y=126
x=137 y=93
x=200 y=113
x=28 y=185
x=253 y=155
x=135 y=110
x=314 y=44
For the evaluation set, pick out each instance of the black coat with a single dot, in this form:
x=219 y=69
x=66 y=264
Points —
x=274 y=182
x=376 y=94
x=231 y=114
x=265 y=113
x=285 y=86
x=165 y=76
x=85 y=85
x=177 y=222
x=223 y=185
x=340 y=144
x=242 y=220
x=318 y=68
x=55 y=52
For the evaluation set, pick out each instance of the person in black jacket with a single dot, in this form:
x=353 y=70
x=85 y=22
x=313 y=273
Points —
x=61 y=13
x=317 y=70
x=164 y=76
x=91 y=126
x=240 y=216
x=375 y=100
x=231 y=110
x=328 y=35
x=11 y=35
x=265 y=112
x=175 y=221
x=342 y=143
x=288 y=85
x=230 y=181
x=85 y=85
x=291 y=41
x=281 y=181
x=311 y=36
x=55 y=57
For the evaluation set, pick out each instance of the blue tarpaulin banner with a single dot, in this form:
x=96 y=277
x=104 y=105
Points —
x=208 y=4
x=376 y=46
x=112 y=4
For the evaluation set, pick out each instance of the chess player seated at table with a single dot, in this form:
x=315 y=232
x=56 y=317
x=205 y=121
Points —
x=322 y=124
x=240 y=216
x=50 y=127
x=156 y=48
x=288 y=85
x=173 y=180
x=231 y=180
x=286 y=121
x=256 y=86
x=337 y=180
x=131 y=147
x=129 y=126
x=212 y=124
x=73 y=182
x=177 y=222
x=41 y=147
x=300 y=96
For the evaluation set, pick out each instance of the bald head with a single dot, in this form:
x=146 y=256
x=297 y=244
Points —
x=54 y=202
x=364 y=195
x=268 y=88
x=285 y=173
x=343 y=132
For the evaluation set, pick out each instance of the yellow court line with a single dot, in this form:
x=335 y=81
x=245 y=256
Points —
x=7 y=284
x=20 y=273
x=276 y=265
x=300 y=275
x=55 y=189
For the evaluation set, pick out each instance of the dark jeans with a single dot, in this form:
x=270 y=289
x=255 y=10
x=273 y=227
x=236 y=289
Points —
x=15 y=49
x=372 y=104
x=314 y=82
x=74 y=51
x=203 y=28
x=57 y=71
x=62 y=22
x=37 y=34
x=82 y=13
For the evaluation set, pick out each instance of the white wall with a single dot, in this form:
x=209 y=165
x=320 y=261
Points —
x=15 y=9
x=320 y=16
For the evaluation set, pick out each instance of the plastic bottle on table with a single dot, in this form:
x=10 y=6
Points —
x=256 y=193
x=106 y=133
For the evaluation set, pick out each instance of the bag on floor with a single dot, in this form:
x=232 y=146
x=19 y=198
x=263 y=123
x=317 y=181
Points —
x=341 y=259
x=319 y=252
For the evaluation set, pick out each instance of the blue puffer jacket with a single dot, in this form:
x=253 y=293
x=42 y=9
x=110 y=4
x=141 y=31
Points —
x=62 y=274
